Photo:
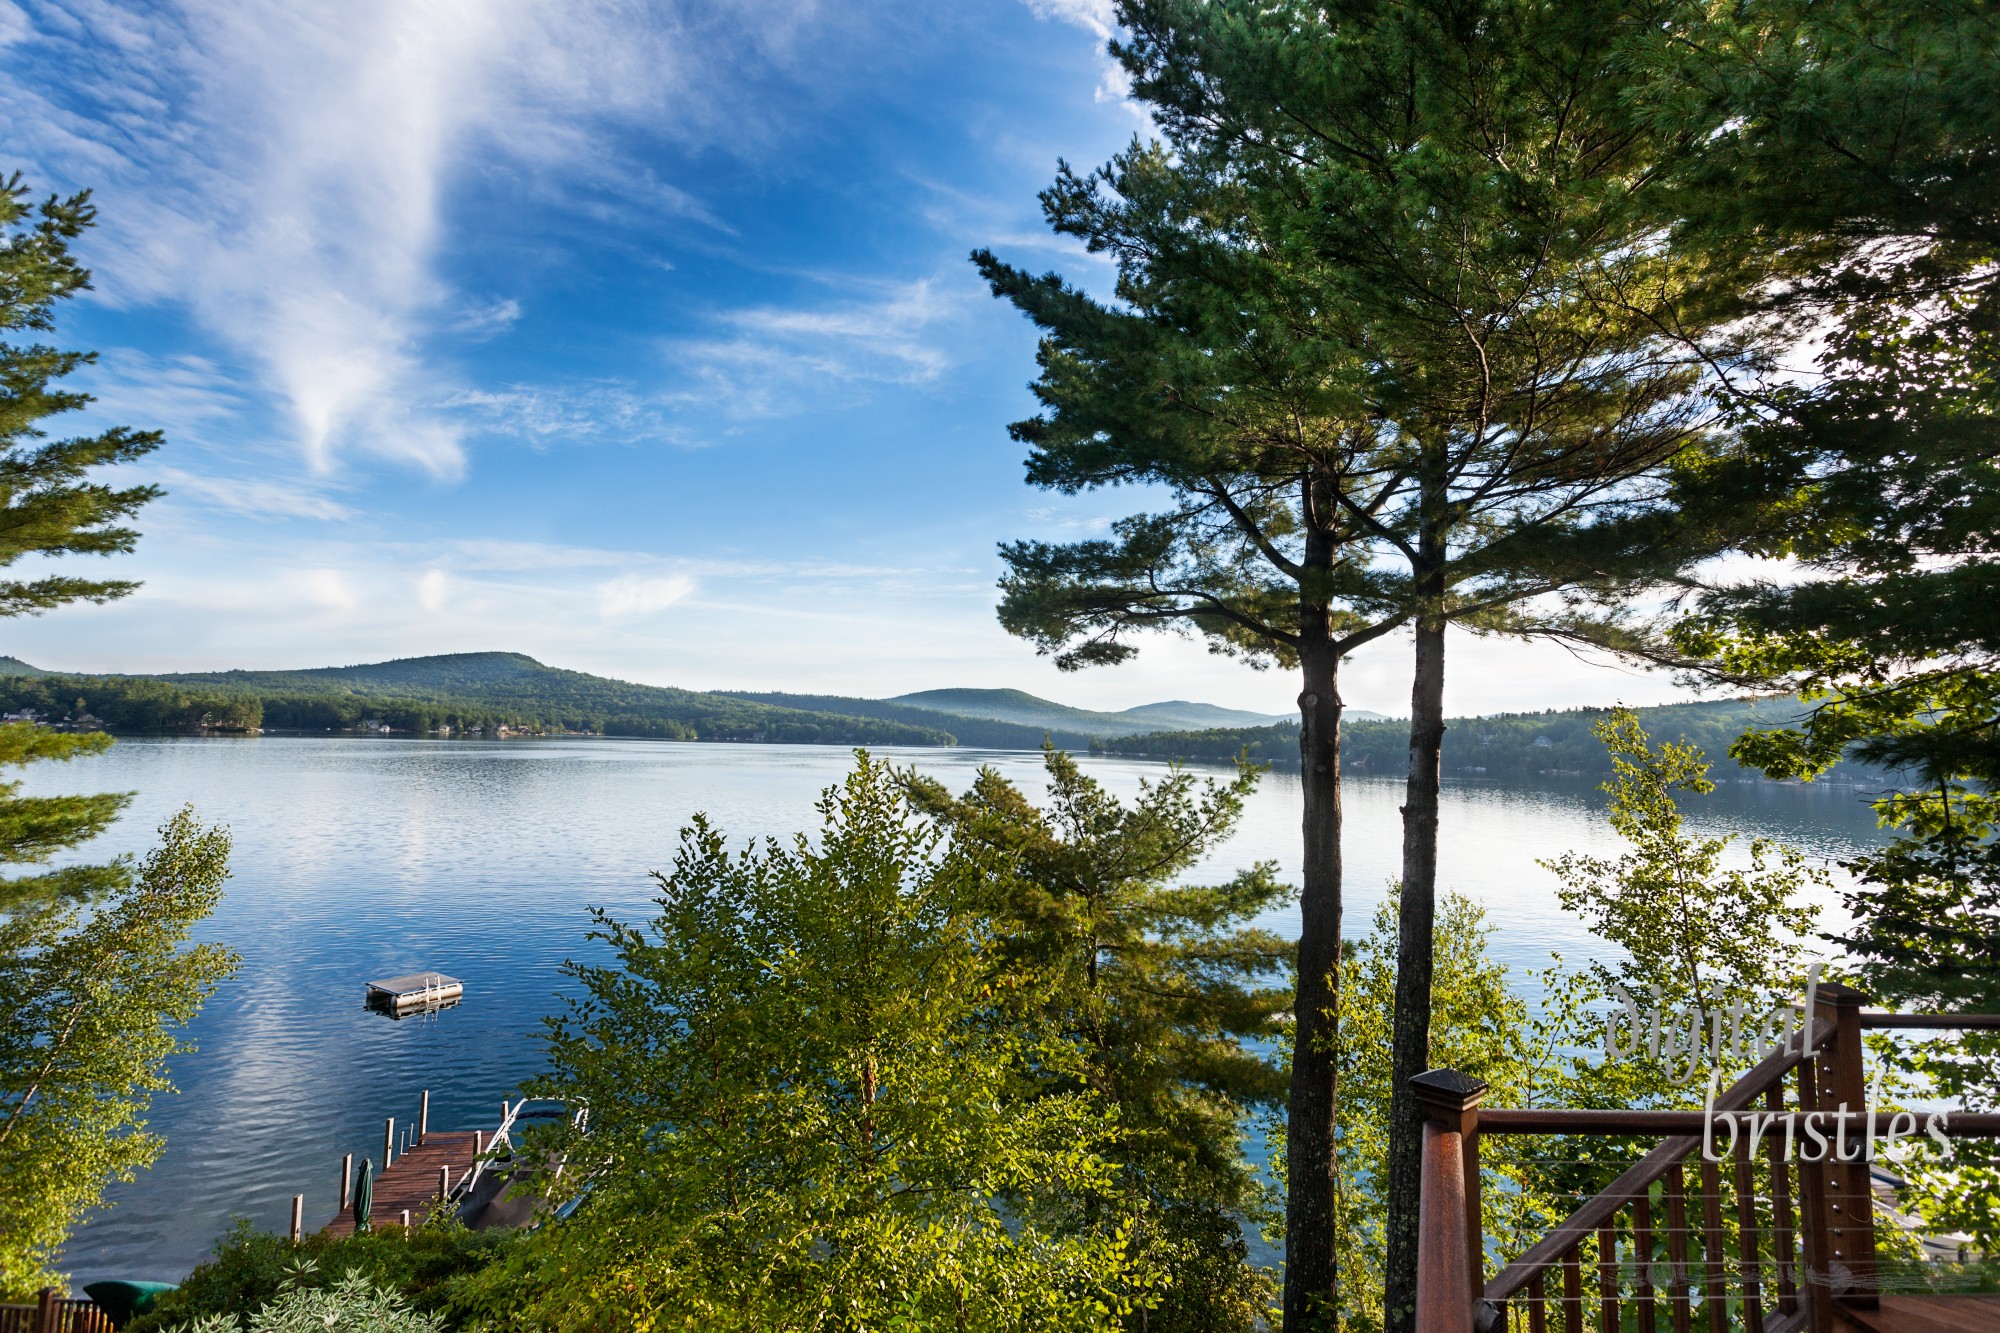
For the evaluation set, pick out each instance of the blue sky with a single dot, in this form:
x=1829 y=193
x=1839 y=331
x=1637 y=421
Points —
x=637 y=337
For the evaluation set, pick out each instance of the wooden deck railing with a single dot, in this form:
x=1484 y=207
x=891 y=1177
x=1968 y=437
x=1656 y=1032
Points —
x=1762 y=1242
x=54 y=1313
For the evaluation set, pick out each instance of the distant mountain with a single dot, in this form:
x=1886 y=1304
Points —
x=14 y=666
x=1180 y=715
x=1028 y=710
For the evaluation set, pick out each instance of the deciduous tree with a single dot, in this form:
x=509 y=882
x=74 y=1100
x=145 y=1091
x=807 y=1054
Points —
x=807 y=1103
x=94 y=1001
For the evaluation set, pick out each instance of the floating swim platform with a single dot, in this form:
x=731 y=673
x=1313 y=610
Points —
x=417 y=990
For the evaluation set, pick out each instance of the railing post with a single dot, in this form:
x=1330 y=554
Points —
x=1451 y=1240
x=46 y=1313
x=388 y=1141
x=424 y=1118
x=1850 y=1194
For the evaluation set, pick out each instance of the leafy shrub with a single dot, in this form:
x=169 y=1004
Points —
x=351 y=1305
x=252 y=1269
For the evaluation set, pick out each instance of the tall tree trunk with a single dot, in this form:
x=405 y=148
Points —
x=1312 y=1196
x=1416 y=917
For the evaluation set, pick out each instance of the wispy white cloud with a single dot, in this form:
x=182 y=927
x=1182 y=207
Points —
x=326 y=589
x=433 y=590
x=285 y=170
x=641 y=595
x=253 y=497
x=488 y=319
x=180 y=394
x=601 y=413
x=775 y=360
x=1099 y=18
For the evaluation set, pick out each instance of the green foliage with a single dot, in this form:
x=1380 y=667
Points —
x=1679 y=918
x=94 y=1001
x=351 y=1305
x=128 y=704
x=1555 y=742
x=427 y=1266
x=35 y=829
x=1163 y=990
x=806 y=1104
x=1480 y=1027
x=981 y=733
x=1866 y=135
x=1369 y=360
x=1528 y=1055
x=50 y=505
x=1931 y=903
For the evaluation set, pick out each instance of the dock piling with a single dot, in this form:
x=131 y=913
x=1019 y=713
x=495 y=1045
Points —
x=424 y=1117
x=478 y=1143
x=298 y=1218
x=444 y=1182
x=346 y=1180
x=388 y=1142
x=406 y=1219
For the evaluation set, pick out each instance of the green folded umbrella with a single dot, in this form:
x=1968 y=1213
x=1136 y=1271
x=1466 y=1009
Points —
x=121 y=1299
x=364 y=1194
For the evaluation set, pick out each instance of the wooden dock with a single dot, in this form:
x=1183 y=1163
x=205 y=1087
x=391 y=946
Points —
x=413 y=1181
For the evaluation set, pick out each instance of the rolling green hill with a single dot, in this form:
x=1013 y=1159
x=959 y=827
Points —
x=459 y=692
x=980 y=732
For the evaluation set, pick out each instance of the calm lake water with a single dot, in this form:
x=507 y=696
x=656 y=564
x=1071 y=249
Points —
x=364 y=858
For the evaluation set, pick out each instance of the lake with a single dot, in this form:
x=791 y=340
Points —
x=358 y=858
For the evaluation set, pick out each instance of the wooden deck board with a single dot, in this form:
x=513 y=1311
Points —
x=1927 y=1314
x=412 y=1181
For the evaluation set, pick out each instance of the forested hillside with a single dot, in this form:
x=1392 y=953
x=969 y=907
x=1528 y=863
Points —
x=496 y=693
x=1552 y=743
x=461 y=693
x=979 y=732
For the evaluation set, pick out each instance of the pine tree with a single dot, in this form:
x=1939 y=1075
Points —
x=1169 y=996
x=1865 y=135
x=1405 y=330
x=50 y=505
